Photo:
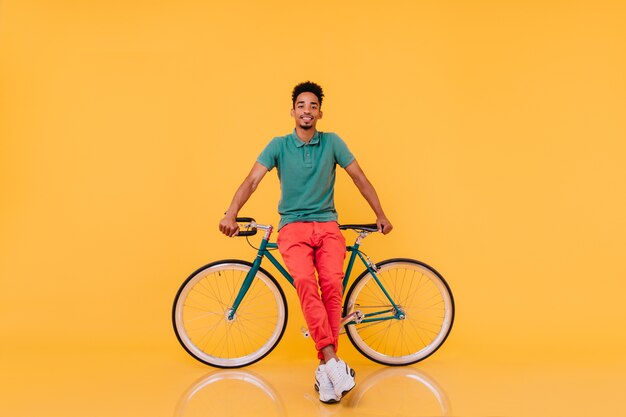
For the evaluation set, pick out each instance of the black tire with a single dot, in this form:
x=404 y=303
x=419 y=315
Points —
x=423 y=296
x=201 y=307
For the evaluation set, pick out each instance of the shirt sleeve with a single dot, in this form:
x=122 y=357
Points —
x=343 y=156
x=269 y=156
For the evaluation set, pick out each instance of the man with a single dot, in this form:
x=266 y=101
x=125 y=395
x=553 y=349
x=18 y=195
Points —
x=309 y=237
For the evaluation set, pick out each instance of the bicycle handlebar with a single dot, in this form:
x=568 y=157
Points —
x=368 y=227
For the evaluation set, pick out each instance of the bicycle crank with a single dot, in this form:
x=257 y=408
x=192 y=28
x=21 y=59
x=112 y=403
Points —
x=357 y=316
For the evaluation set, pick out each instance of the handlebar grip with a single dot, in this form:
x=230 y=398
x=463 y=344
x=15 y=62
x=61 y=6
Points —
x=250 y=232
x=244 y=219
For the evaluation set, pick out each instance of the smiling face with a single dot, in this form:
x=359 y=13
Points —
x=306 y=111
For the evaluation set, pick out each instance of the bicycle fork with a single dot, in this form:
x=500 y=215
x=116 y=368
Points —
x=245 y=286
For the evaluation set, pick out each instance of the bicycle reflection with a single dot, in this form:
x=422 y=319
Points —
x=235 y=392
x=404 y=391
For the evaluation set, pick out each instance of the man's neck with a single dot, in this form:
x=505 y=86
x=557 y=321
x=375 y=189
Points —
x=305 y=135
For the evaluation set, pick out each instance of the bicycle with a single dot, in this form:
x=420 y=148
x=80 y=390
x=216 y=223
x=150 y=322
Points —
x=232 y=313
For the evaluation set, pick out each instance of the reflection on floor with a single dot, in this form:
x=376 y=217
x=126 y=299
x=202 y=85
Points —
x=168 y=383
x=399 y=388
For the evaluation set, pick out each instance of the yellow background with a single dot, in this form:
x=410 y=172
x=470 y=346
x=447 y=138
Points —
x=494 y=133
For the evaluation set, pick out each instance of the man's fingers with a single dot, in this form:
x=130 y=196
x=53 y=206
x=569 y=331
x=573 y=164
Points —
x=384 y=227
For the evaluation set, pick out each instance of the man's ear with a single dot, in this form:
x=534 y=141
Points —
x=321 y=114
x=293 y=112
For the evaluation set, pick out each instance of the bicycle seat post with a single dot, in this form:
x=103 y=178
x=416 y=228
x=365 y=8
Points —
x=362 y=235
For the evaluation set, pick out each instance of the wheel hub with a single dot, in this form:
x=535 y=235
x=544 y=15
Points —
x=228 y=313
x=400 y=313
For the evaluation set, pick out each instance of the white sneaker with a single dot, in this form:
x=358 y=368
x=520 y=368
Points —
x=325 y=387
x=341 y=376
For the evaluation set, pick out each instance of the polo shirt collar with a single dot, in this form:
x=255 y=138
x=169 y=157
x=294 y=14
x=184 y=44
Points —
x=299 y=143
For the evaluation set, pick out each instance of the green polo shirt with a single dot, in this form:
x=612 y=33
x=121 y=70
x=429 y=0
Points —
x=307 y=175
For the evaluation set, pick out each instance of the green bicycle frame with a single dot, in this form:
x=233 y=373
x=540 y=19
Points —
x=264 y=252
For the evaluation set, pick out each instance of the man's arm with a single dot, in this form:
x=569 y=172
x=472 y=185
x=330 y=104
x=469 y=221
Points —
x=228 y=225
x=367 y=190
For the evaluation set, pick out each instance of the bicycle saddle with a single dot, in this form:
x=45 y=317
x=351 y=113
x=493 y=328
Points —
x=370 y=227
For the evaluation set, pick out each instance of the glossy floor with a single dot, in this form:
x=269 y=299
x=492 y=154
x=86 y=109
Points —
x=168 y=383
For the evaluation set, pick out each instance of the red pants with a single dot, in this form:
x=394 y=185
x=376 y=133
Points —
x=305 y=247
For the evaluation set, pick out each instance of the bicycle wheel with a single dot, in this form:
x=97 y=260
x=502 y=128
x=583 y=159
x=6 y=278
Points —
x=422 y=295
x=202 y=306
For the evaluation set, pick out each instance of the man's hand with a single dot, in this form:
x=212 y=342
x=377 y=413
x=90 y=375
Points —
x=228 y=226
x=384 y=225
